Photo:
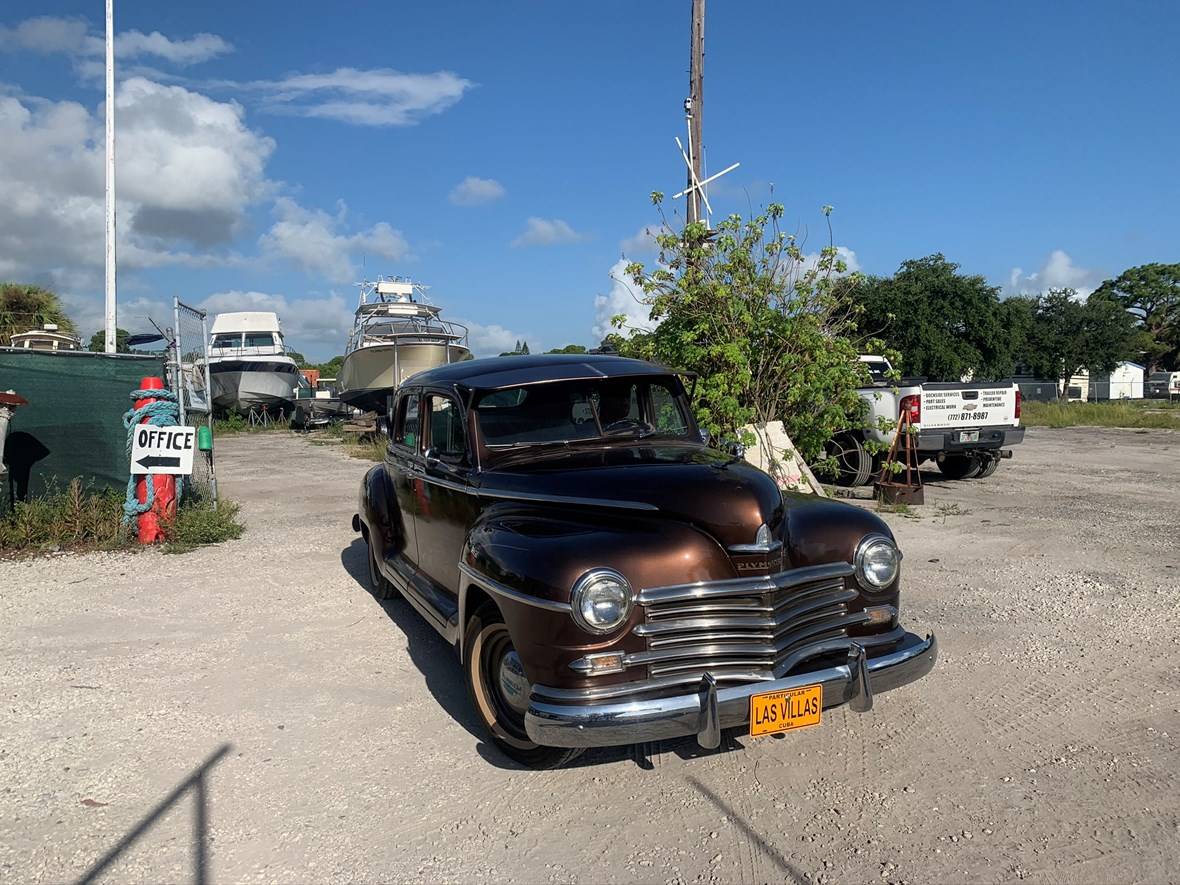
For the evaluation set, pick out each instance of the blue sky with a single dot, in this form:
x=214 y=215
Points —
x=270 y=152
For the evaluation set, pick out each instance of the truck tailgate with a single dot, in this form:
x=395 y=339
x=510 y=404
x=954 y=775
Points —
x=968 y=406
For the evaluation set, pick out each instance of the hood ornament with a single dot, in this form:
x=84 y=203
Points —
x=762 y=543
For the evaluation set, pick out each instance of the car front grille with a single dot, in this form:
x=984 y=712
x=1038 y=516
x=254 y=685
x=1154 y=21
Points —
x=750 y=628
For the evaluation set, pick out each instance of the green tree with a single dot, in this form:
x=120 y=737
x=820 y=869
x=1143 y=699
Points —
x=945 y=324
x=1067 y=335
x=569 y=348
x=769 y=333
x=24 y=307
x=300 y=360
x=331 y=368
x=98 y=341
x=1151 y=292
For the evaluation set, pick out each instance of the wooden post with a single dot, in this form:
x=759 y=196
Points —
x=694 y=107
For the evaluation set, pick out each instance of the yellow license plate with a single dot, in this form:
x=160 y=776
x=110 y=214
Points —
x=787 y=710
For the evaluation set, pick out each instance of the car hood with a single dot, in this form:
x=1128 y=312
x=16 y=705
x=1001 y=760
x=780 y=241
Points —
x=722 y=495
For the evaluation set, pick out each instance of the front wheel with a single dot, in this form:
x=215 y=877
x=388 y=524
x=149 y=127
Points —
x=959 y=466
x=499 y=690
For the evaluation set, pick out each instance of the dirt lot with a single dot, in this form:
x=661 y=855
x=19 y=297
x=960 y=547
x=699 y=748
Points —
x=306 y=733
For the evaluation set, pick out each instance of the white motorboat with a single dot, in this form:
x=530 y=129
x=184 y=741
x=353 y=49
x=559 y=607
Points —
x=249 y=368
x=395 y=335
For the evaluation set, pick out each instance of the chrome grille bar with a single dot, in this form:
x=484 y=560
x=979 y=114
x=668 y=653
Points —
x=745 y=586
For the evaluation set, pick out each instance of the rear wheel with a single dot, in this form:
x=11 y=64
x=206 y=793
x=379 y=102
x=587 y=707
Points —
x=959 y=466
x=380 y=585
x=854 y=465
x=991 y=465
x=499 y=690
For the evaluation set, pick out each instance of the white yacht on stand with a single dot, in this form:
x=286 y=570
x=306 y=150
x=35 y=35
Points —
x=249 y=369
x=395 y=336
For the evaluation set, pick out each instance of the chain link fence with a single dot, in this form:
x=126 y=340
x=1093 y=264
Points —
x=188 y=366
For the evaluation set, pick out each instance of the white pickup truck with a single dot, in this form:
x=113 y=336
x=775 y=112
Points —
x=965 y=427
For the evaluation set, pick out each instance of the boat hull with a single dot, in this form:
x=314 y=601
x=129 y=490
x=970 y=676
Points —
x=242 y=386
x=369 y=374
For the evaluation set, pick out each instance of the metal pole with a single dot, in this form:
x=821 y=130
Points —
x=694 y=107
x=178 y=361
x=208 y=404
x=111 y=309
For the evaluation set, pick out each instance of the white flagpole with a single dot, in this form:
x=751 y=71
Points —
x=111 y=309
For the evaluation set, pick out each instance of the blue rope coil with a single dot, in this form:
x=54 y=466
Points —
x=162 y=413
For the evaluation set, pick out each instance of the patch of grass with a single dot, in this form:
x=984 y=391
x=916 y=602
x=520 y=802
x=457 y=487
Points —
x=80 y=518
x=1131 y=413
x=236 y=423
x=199 y=525
x=901 y=509
x=952 y=509
x=370 y=448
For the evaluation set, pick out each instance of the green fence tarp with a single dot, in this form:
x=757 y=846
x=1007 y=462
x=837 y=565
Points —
x=73 y=424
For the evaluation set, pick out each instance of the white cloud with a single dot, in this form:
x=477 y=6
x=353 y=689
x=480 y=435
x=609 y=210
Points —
x=320 y=321
x=546 y=232
x=314 y=241
x=473 y=191
x=623 y=298
x=642 y=243
x=493 y=340
x=1058 y=272
x=46 y=34
x=198 y=48
x=49 y=34
x=365 y=97
x=188 y=168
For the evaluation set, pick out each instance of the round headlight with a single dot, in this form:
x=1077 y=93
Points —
x=877 y=562
x=601 y=600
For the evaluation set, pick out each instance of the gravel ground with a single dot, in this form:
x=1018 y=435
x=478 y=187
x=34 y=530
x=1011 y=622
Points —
x=306 y=733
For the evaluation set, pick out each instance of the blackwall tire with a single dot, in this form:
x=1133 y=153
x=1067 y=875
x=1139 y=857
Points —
x=992 y=465
x=499 y=691
x=380 y=586
x=959 y=466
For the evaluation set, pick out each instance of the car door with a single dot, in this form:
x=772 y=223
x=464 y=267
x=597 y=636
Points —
x=446 y=509
x=403 y=463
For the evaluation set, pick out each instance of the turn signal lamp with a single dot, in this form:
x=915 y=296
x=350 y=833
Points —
x=596 y=665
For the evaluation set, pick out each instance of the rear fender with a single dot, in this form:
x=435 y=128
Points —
x=381 y=517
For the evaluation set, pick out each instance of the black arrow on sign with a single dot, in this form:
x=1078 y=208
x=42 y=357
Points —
x=157 y=461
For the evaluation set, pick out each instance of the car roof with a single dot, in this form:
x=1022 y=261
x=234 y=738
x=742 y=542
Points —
x=496 y=373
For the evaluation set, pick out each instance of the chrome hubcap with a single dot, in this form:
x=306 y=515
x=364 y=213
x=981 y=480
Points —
x=514 y=687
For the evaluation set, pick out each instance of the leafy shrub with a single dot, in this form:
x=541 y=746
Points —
x=202 y=524
x=79 y=517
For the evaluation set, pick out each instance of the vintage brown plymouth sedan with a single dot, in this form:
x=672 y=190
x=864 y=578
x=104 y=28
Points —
x=607 y=578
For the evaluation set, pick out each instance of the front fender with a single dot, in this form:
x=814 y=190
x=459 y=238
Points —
x=538 y=555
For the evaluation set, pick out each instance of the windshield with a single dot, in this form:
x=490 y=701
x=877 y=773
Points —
x=570 y=411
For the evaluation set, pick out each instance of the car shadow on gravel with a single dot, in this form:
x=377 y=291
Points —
x=439 y=665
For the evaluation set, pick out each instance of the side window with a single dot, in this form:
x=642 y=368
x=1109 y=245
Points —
x=446 y=428
x=259 y=339
x=407 y=424
x=666 y=414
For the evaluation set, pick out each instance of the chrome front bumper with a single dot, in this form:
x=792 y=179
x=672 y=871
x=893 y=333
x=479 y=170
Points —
x=711 y=708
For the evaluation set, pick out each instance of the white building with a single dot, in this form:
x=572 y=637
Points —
x=1125 y=381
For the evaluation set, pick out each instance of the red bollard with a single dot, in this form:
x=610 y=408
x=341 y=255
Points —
x=164 y=506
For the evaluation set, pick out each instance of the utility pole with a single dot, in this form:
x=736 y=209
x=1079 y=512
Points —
x=110 y=327
x=694 y=107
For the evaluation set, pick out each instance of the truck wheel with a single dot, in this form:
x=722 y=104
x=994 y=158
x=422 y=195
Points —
x=380 y=585
x=499 y=690
x=854 y=464
x=991 y=465
x=959 y=466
